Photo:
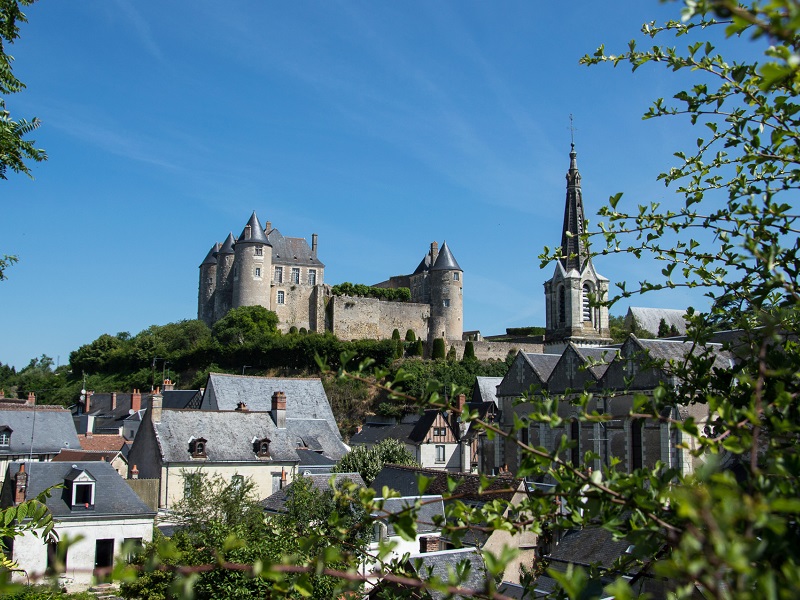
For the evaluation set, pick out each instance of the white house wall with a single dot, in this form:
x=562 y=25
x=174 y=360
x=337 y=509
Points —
x=30 y=552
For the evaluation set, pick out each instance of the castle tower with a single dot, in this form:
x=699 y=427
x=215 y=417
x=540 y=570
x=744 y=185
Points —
x=447 y=304
x=223 y=295
x=207 y=287
x=252 y=270
x=570 y=315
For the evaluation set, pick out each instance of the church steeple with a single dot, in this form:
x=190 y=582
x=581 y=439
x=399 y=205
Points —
x=574 y=294
x=573 y=249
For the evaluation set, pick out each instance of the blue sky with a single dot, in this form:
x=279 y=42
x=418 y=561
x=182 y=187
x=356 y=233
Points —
x=381 y=126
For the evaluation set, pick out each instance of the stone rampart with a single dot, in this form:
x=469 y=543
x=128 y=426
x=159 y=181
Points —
x=354 y=318
x=486 y=350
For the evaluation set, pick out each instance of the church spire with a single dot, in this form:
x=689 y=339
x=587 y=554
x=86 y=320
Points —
x=573 y=248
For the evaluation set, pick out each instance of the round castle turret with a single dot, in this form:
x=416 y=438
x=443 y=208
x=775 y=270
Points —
x=447 y=304
x=223 y=296
x=207 y=287
x=253 y=266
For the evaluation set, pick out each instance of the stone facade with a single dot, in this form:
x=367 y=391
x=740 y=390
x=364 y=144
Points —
x=264 y=268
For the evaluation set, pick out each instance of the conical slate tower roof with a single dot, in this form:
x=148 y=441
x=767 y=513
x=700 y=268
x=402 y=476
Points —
x=253 y=233
x=211 y=257
x=445 y=261
x=573 y=248
x=227 y=245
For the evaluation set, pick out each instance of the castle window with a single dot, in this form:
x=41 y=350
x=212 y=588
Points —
x=259 y=251
x=312 y=277
x=562 y=305
x=295 y=274
x=587 y=309
x=281 y=297
x=278 y=274
x=456 y=276
x=446 y=302
x=258 y=272
x=198 y=448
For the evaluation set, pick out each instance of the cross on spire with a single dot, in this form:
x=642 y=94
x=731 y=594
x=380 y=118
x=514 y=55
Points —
x=572 y=130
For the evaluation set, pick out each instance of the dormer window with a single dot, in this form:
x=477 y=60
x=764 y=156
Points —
x=197 y=448
x=261 y=448
x=5 y=437
x=80 y=486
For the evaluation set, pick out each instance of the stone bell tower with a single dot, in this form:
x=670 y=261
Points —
x=569 y=294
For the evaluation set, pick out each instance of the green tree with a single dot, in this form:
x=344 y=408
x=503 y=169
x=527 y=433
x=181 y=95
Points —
x=469 y=351
x=438 y=351
x=411 y=336
x=245 y=324
x=368 y=461
x=663 y=328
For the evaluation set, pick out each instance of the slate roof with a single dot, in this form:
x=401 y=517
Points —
x=408 y=431
x=113 y=497
x=291 y=250
x=429 y=513
x=677 y=350
x=227 y=245
x=485 y=389
x=311 y=458
x=445 y=562
x=423 y=266
x=650 y=318
x=257 y=235
x=277 y=502
x=211 y=257
x=542 y=364
x=181 y=398
x=445 y=261
x=230 y=436
x=599 y=357
x=305 y=398
x=50 y=427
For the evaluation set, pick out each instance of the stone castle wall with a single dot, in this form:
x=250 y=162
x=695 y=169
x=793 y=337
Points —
x=486 y=350
x=352 y=318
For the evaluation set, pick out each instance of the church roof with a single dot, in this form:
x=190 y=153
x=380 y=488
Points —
x=649 y=319
x=227 y=245
x=211 y=257
x=445 y=261
x=256 y=232
x=573 y=248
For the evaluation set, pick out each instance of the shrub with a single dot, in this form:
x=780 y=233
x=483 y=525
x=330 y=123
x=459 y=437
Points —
x=438 y=351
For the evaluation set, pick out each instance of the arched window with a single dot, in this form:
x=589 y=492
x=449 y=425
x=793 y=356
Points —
x=562 y=305
x=587 y=309
x=262 y=447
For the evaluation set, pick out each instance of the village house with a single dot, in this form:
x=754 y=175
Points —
x=96 y=515
x=236 y=434
x=33 y=432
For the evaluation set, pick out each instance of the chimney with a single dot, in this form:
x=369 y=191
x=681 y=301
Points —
x=2 y=394
x=20 y=484
x=434 y=252
x=136 y=401
x=156 y=402
x=314 y=245
x=113 y=400
x=283 y=478
x=461 y=400
x=268 y=227
x=88 y=401
x=279 y=409
x=88 y=434
x=135 y=472
x=168 y=385
x=31 y=399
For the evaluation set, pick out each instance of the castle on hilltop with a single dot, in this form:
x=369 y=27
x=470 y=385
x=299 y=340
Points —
x=262 y=267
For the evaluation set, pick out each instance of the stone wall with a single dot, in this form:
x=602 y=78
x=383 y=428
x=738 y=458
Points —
x=369 y=318
x=494 y=350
